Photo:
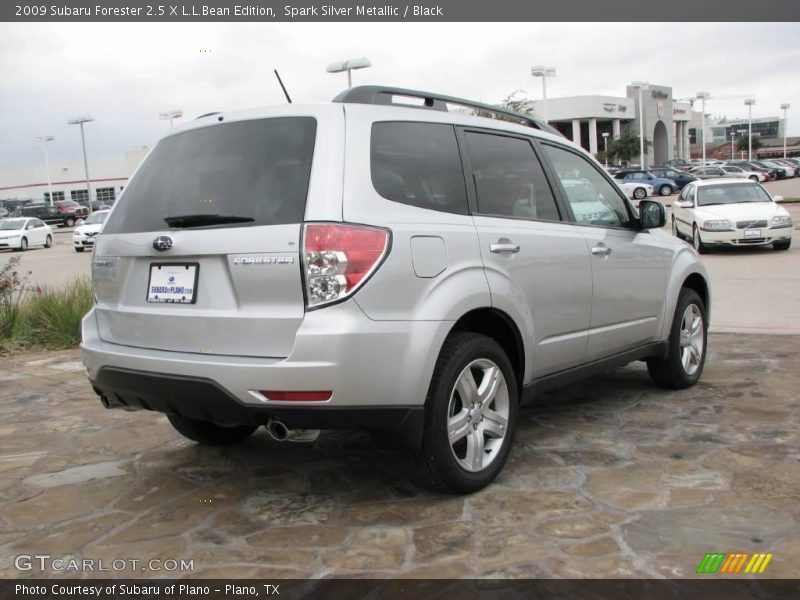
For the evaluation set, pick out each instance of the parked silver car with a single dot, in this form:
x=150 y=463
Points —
x=365 y=264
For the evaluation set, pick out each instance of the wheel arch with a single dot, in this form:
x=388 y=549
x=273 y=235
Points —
x=499 y=326
x=698 y=283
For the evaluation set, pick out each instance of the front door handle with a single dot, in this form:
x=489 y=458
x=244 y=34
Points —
x=499 y=248
x=601 y=251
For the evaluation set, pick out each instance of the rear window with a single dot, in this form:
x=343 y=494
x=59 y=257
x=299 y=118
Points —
x=418 y=164
x=254 y=169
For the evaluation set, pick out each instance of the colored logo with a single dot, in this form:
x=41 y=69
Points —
x=738 y=562
x=172 y=279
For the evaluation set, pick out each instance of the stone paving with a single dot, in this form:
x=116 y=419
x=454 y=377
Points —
x=609 y=478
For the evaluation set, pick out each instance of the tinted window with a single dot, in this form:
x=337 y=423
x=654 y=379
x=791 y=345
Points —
x=594 y=199
x=509 y=180
x=257 y=169
x=418 y=164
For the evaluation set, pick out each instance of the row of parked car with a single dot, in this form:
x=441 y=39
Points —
x=63 y=213
x=21 y=232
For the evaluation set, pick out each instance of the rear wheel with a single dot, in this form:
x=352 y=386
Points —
x=210 y=434
x=686 y=354
x=48 y=242
x=69 y=221
x=470 y=416
x=782 y=245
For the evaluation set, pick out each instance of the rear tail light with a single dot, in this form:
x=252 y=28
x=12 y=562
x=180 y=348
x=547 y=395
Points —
x=339 y=258
x=315 y=396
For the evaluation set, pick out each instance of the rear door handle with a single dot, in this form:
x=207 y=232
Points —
x=601 y=250
x=499 y=248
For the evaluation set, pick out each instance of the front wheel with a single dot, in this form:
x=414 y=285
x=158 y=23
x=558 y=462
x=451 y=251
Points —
x=666 y=190
x=48 y=243
x=675 y=231
x=210 y=434
x=23 y=244
x=697 y=243
x=782 y=245
x=686 y=353
x=754 y=178
x=470 y=416
x=640 y=193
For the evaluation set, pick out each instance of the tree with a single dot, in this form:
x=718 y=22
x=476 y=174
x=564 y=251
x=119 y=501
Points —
x=742 y=145
x=515 y=101
x=627 y=146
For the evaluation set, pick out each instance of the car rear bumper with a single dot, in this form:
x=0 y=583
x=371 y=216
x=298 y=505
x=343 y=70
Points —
x=376 y=371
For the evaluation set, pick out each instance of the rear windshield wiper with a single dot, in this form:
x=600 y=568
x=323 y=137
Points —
x=200 y=220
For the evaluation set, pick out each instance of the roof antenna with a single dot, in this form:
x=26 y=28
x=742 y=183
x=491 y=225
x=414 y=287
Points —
x=283 y=87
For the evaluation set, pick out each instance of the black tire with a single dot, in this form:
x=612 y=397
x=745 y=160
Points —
x=782 y=245
x=697 y=241
x=77 y=249
x=665 y=190
x=675 y=231
x=210 y=434
x=669 y=372
x=754 y=178
x=69 y=221
x=48 y=242
x=23 y=244
x=435 y=465
x=640 y=193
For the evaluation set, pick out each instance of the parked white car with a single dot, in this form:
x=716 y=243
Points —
x=734 y=212
x=635 y=189
x=84 y=235
x=737 y=171
x=22 y=233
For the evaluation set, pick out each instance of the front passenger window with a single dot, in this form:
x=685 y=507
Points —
x=594 y=199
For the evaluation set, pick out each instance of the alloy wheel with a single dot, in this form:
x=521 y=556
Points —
x=691 y=336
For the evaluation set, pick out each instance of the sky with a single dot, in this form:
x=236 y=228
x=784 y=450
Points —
x=124 y=75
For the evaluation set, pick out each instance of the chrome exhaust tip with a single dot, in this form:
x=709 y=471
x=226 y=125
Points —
x=281 y=433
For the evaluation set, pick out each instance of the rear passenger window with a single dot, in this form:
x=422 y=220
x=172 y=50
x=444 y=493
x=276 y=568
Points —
x=418 y=164
x=509 y=180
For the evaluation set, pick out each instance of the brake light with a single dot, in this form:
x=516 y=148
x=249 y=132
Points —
x=338 y=258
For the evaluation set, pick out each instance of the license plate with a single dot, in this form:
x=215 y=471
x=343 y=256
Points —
x=752 y=233
x=173 y=283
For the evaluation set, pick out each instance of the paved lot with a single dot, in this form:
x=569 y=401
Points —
x=609 y=478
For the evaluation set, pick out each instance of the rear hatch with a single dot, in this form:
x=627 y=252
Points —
x=202 y=251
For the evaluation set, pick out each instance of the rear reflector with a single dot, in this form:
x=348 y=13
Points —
x=297 y=396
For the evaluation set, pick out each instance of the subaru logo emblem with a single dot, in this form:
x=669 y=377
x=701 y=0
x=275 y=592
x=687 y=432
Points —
x=162 y=242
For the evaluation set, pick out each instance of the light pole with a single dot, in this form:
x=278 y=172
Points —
x=544 y=73
x=749 y=102
x=703 y=96
x=44 y=139
x=785 y=108
x=80 y=121
x=170 y=115
x=349 y=65
x=642 y=85
x=605 y=146
x=733 y=138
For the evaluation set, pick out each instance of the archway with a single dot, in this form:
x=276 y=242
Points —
x=660 y=144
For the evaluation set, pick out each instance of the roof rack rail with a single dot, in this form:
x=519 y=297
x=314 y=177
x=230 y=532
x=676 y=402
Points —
x=375 y=94
x=211 y=114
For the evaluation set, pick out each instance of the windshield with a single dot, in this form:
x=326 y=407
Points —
x=731 y=194
x=257 y=170
x=95 y=218
x=67 y=203
x=9 y=225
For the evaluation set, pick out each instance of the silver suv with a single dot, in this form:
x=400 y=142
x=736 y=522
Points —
x=381 y=262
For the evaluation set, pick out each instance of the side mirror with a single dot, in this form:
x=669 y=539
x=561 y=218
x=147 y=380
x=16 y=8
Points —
x=652 y=214
x=683 y=204
x=778 y=198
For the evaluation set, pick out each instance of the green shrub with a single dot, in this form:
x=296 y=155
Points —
x=52 y=316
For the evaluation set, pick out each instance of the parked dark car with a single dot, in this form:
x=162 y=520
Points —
x=681 y=178
x=788 y=163
x=676 y=163
x=71 y=207
x=661 y=185
x=49 y=214
x=752 y=166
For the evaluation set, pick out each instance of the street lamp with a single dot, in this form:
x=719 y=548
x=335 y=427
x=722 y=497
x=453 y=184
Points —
x=544 y=73
x=703 y=96
x=80 y=121
x=349 y=65
x=749 y=102
x=170 y=115
x=605 y=146
x=44 y=139
x=733 y=138
x=785 y=108
x=642 y=85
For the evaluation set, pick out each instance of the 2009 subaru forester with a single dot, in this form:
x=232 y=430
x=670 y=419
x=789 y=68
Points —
x=381 y=263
